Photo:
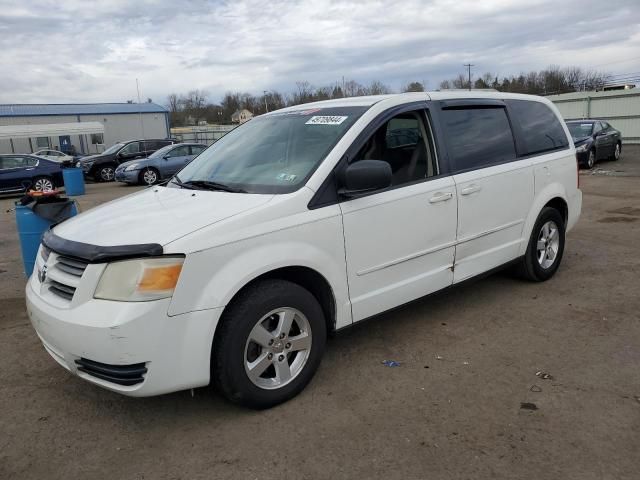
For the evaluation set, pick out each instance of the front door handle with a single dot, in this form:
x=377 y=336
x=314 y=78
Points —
x=473 y=188
x=441 y=197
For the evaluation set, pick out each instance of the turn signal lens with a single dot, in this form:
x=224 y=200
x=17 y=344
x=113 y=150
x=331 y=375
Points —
x=140 y=280
x=159 y=278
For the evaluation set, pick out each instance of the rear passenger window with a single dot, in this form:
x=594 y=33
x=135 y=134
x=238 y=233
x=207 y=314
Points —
x=541 y=128
x=478 y=137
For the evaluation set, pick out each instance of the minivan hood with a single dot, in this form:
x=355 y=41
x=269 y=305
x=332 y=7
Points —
x=156 y=215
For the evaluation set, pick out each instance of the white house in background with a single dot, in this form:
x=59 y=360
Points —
x=241 y=116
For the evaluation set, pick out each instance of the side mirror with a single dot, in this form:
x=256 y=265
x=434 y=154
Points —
x=365 y=176
x=166 y=157
x=599 y=134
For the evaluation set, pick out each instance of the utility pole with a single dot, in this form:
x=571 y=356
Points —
x=469 y=65
x=266 y=107
x=140 y=110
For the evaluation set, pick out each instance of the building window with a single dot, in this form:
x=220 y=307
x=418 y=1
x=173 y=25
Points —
x=97 y=139
x=42 y=142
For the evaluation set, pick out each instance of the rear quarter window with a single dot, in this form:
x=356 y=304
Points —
x=541 y=129
x=478 y=137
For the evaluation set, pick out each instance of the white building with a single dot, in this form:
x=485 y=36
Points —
x=88 y=128
x=241 y=116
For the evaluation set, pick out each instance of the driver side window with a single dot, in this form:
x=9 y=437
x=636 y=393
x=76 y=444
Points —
x=405 y=143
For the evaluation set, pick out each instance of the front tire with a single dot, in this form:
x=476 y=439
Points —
x=149 y=176
x=269 y=344
x=616 y=152
x=546 y=246
x=591 y=160
x=106 y=173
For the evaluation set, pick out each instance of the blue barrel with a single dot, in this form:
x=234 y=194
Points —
x=31 y=227
x=73 y=181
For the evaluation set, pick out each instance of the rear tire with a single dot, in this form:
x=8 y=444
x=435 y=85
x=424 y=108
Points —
x=269 y=344
x=41 y=184
x=546 y=246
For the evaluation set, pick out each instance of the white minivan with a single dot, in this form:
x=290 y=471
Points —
x=297 y=224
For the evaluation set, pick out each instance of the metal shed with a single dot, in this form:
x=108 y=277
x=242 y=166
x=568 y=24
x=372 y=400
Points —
x=120 y=121
x=621 y=108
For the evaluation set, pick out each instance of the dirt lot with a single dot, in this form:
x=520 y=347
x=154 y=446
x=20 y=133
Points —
x=453 y=409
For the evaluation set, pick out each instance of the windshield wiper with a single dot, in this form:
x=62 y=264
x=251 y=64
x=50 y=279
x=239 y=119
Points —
x=181 y=184
x=207 y=185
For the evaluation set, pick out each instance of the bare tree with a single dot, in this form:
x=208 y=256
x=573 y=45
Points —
x=414 y=87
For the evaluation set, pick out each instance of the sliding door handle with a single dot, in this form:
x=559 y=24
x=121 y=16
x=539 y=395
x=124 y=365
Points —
x=441 y=197
x=473 y=188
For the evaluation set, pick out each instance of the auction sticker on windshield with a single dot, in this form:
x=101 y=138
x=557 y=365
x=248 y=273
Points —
x=326 y=120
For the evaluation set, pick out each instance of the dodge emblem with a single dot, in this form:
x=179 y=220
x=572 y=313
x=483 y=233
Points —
x=43 y=274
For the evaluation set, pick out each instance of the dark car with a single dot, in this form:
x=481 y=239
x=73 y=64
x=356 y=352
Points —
x=19 y=173
x=595 y=140
x=102 y=167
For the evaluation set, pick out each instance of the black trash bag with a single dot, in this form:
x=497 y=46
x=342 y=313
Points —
x=54 y=209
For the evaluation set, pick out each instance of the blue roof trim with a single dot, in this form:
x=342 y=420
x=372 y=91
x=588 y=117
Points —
x=29 y=110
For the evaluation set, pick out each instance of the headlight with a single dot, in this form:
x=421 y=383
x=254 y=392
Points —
x=140 y=280
x=581 y=148
x=78 y=165
x=44 y=252
x=133 y=166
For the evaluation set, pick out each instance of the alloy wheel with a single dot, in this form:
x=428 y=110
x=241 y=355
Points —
x=592 y=159
x=43 y=184
x=107 y=174
x=278 y=348
x=548 y=244
x=616 y=153
x=149 y=177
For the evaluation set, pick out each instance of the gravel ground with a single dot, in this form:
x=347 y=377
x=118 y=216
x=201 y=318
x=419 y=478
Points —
x=464 y=403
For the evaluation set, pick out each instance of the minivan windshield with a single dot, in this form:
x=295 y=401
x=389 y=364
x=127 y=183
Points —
x=113 y=149
x=580 y=130
x=273 y=153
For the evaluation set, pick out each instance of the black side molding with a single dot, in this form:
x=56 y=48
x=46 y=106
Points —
x=96 y=253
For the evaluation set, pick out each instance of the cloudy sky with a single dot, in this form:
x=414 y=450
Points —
x=80 y=51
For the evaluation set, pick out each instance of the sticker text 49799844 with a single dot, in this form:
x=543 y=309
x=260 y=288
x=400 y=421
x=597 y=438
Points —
x=326 y=120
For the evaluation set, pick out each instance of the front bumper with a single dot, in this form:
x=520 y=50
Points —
x=130 y=176
x=175 y=350
x=583 y=157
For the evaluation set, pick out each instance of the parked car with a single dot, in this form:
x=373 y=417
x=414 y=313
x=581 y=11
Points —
x=595 y=140
x=54 y=155
x=102 y=167
x=19 y=173
x=161 y=164
x=298 y=223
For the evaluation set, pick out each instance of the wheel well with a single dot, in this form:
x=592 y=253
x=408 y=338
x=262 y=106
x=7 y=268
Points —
x=308 y=279
x=561 y=206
